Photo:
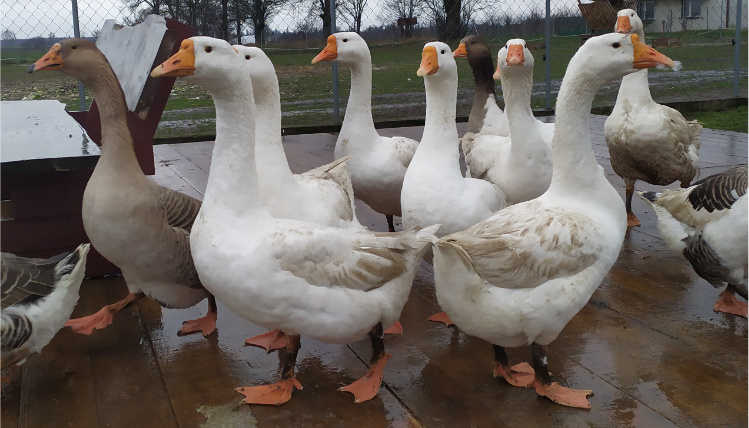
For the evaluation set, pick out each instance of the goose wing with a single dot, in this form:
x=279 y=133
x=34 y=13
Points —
x=27 y=279
x=180 y=209
x=524 y=246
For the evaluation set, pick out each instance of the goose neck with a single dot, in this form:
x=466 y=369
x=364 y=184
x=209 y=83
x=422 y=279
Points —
x=358 y=116
x=575 y=165
x=439 y=144
x=116 y=143
x=635 y=89
x=270 y=156
x=517 y=89
x=232 y=182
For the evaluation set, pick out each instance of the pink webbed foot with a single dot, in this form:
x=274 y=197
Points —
x=632 y=220
x=441 y=317
x=367 y=386
x=728 y=303
x=103 y=318
x=521 y=375
x=565 y=396
x=270 y=341
x=396 y=328
x=274 y=394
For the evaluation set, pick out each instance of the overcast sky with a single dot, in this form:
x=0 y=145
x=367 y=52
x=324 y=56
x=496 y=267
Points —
x=32 y=18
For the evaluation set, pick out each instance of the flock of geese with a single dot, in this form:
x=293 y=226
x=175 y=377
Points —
x=518 y=244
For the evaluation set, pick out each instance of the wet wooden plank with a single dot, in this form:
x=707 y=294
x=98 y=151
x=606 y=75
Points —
x=128 y=385
x=10 y=397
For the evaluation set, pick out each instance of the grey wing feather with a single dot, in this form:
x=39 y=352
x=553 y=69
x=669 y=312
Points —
x=705 y=261
x=16 y=330
x=27 y=279
x=719 y=191
x=180 y=209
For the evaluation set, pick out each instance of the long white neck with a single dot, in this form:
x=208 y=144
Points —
x=517 y=87
x=271 y=163
x=232 y=182
x=358 y=120
x=575 y=164
x=440 y=138
x=635 y=89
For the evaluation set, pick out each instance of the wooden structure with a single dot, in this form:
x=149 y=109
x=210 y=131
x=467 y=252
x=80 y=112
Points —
x=648 y=343
x=600 y=15
x=42 y=187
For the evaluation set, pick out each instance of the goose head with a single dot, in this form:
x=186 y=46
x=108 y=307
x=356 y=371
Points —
x=474 y=49
x=346 y=48
x=437 y=60
x=514 y=57
x=259 y=66
x=608 y=57
x=75 y=57
x=212 y=63
x=627 y=22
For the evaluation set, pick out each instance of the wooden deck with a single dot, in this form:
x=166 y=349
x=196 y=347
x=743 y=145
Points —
x=648 y=343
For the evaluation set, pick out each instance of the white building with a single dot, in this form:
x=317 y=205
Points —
x=687 y=15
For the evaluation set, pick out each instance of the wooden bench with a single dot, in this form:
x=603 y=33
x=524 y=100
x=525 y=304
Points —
x=666 y=42
x=48 y=155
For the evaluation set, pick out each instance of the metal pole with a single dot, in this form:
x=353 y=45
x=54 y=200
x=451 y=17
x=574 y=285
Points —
x=336 y=106
x=548 y=54
x=77 y=33
x=737 y=50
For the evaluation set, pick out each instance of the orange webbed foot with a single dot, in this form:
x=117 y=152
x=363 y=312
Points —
x=564 y=396
x=274 y=394
x=632 y=220
x=728 y=303
x=441 y=317
x=205 y=325
x=270 y=341
x=103 y=318
x=521 y=375
x=396 y=328
x=367 y=386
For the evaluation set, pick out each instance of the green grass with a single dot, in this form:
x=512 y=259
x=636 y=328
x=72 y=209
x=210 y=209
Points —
x=734 y=119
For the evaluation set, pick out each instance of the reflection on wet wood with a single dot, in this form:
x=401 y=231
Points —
x=648 y=344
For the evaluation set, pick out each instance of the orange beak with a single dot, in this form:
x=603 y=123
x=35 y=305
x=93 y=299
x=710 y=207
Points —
x=329 y=53
x=515 y=55
x=623 y=25
x=52 y=60
x=496 y=73
x=429 y=63
x=180 y=64
x=647 y=57
x=460 y=52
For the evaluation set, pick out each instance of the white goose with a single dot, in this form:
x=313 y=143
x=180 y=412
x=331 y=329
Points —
x=322 y=195
x=336 y=285
x=648 y=141
x=434 y=190
x=518 y=277
x=141 y=227
x=377 y=163
x=707 y=224
x=38 y=296
x=520 y=164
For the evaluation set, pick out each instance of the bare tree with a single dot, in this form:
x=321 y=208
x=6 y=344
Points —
x=260 y=12
x=403 y=11
x=8 y=35
x=351 y=11
x=239 y=11
x=451 y=17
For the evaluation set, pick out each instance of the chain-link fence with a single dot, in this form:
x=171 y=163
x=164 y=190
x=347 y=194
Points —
x=700 y=33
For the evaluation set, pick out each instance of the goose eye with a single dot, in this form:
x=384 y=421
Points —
x=345 y=40
x=208 y=49
x=246 y=57
x=616 y=45
x=74 y=47
x=442 y=51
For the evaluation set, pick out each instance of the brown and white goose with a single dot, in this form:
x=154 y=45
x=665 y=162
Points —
x=141 y=227
x=648 y=141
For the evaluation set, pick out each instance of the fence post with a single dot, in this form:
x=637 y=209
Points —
x=336 y=106
x=547 y=63
x=737 y=50
x=77 y=33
